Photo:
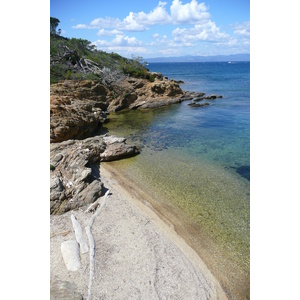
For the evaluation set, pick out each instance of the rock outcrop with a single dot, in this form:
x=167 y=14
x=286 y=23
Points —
x=78 y=108
x=77 y=111
x=75 y=176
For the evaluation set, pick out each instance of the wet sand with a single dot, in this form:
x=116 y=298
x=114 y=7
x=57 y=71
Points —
x=233 y=277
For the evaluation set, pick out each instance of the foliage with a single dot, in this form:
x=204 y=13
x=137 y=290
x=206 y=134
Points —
x=135 y=68
x=53 y=25
x=61 y=69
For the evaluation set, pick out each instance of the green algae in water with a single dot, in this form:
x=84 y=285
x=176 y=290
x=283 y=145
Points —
x=192 y=172
x=200 y=161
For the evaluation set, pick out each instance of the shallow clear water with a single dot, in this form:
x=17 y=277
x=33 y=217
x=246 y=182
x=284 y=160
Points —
x=198 y=159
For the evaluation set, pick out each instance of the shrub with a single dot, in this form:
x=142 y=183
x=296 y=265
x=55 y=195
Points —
x=68 y=75
x=151 y=78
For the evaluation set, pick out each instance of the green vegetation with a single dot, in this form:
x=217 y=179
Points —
x=53 y=25
x=135 y=68
x=69 y=57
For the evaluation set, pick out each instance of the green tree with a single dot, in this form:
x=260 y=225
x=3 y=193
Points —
x=53 y=25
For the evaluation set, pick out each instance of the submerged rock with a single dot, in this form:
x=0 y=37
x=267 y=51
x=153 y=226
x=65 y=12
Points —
x=193 y=104
x=212 y=97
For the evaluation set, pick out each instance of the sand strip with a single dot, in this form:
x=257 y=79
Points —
x=137 y=255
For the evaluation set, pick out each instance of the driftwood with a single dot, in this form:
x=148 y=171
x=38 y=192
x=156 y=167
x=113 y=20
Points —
x=63 y=233
x=92 y=244
x=95 y=204
x=83 y=64
x=79 y=236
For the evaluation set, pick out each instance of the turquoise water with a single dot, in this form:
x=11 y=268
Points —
x=222 y=130
x=198 y=159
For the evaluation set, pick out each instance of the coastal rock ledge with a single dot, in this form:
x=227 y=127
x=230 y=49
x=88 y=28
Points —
x=79 y=108
x=75 y=175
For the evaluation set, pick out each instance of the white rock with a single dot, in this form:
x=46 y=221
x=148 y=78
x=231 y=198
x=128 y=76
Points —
x=71 y=255
x=113 y=139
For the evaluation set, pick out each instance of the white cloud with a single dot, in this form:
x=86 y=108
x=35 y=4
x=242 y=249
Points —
x=188 y=13
x=200 y=32
x=200 y=29
x=103 y=32
x=133 y=22
x=123 y=40
x=105 y=23
x=139 y=21
x=80 y=26
x=242 y=29
x=119 y=40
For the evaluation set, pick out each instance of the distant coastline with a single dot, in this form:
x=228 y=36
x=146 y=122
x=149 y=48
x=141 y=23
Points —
x=190 y=58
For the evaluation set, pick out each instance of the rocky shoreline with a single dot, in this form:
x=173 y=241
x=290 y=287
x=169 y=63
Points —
x=78 y=108
x=77 y=111
x=74 y=169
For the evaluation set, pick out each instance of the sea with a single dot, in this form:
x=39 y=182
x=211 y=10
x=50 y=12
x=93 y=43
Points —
x=195 y=161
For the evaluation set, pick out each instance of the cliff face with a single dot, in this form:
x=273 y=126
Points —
x=78 y=108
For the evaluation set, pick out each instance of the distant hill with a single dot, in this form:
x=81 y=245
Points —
x=189 y=58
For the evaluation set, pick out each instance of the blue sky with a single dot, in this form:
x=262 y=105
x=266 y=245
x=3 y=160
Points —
x=156 y=28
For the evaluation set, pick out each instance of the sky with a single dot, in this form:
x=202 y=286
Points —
x=155 y=28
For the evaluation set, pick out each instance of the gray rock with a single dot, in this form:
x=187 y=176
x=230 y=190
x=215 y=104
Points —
x=56 y=188
x=213 y=97
x=55 y=160
x=75 y=181
x=109 y=139
x=117 y=151
x=70 y=181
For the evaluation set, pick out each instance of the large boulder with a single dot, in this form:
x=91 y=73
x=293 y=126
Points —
x=116 y=148
x=75 y=179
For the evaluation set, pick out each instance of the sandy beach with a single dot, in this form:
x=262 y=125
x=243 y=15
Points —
x=138 y=255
